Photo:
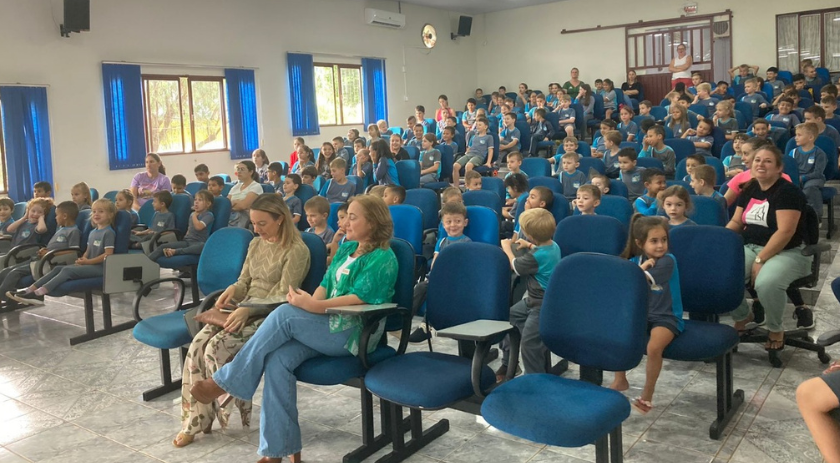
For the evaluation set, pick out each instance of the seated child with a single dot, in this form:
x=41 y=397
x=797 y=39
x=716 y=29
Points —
x=340 y=236
x=100 y=245
x=724 y=119
x=429 y=159
x=377 y=190
x=704 y=97
x=733 y=163
x=703 y=181
x=600 y=181
x=811 y=161
x=306 y=158
x=393 y=194
x=448 y=139
x=655 y=147
x=644 y=109
x=509 y=138
x=308 y=176
x=362 y=166
x=654 y=181
x=571 y=178
x=540 y=197
x=588 y=198
x=777 y=84
x=66 y=236
x=216 y=185
x=630 y=174
x=816 y=115
x=598 y=143
x=30 y=228
x=701 y=137
x=745 y=73
x=179 y=185
x=124 y=202
x=648 y=247
x=627 y=125
x=472 y=181
x=612 y=145
x=338 y=189
x=80 y=194
x=317 y=211
x=761 y=129
x=720 y=92
x=201 y=220
x=290 y=187
x=754 y=99
x=275 y=174
x=162 y=220
x=676 y=202
x=341 y=151
x=7 y=206
x=514 y=164
x=516 y=185
x=541 y=134
x=417 y=138
x=535 y=261
x=786 y=114
x=691 y=163
x=567 y=115
x=42 y=190
x=570 y=145
x=202 y=173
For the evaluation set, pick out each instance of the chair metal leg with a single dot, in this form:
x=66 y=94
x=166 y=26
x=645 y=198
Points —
x=419 y=439
x=91 y=332
x=830 y=227
x=602 y=450
x=372 y=443
x=167 y=385
x=616 y=446
x=728 y=400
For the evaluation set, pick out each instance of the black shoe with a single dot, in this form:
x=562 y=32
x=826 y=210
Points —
x=25 y=298
x=420 y=335
x=758 y=313
x=804 y=318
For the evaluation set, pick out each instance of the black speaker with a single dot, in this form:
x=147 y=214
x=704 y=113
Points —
x=76 y=16
x=464 y=26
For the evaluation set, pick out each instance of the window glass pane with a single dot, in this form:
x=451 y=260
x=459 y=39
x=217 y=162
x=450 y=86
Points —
x=832 y=41
x=163 y=116
x=707 y=44
x=787 y=33
x=809 y=37
x=185 y=110
x=207 y=115
x=325 y=95
x=351 y=95
x=3 y=186
x=631 y=52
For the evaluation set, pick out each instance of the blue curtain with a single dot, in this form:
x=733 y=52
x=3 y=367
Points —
x=242 y=113
x=374 y=90
x=302 y=101
x=26 y=128
x=124 y=124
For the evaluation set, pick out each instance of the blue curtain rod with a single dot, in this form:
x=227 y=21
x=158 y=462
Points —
x=195 y=66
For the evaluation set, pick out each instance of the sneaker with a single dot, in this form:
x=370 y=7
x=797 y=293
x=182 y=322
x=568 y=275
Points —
x=23 y=297
x=758 y=313
x=420 y=335
x=804 y=318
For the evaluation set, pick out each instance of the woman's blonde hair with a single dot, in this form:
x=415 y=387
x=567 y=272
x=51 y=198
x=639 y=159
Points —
x=274 y=205
x=110 y=210
x=85 y=191
x=379 y=217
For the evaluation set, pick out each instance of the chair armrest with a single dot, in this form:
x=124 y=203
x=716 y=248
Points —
x=363 y=309
x=478 y=330
x=139 y=227
x=146 y=289
x=814 y=249
x=371 y=319
x=163 y=237
x=829 y=338
x=20 y=253
x=57 y=257
x=483 y=332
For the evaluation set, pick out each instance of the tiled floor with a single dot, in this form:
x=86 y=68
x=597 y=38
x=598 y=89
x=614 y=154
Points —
x=82 y=404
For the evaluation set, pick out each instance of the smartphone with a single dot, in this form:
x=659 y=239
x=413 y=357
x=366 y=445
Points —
x=228 y=308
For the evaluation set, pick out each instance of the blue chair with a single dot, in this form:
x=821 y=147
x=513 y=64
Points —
x=580 y=120
x=682 y=147
x=111 y=196
x=629 y=144
x=650 y=163
x=705 y=296
x=746 y=110
x=598 y=113
x=483 y=169
x=446 y=162
x=618 y=188
x=659 y=113
x=583 y=149
x=805 y=103
x=524 y=136
x=268 y=188
x=727 y=150
x=720 y=140
x=428 y=203
x=720 y=171
x=488 y=199
x=700 y=109
x=408 y=173
x=217 y=269
x=708 y=211
x=550 y=182
x=617 y=207
x=586 y=164
x=332 y=219
x=564 y=412
x=226 y=177
x=494 y=184
x=482 y=225
x=229 y=186
x=597 y=233
x=19 y=210
x=536 y=167
x=785 y=76
x=305 y=193
x=681 y=183
x=413 y=152
x=359 y=182
x=94 y=194
x=195 y=187
x=434 y=380
x=408 y=226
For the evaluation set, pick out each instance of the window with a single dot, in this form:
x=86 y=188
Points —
x=338 y=90
x=185 y=114
x=813 y=35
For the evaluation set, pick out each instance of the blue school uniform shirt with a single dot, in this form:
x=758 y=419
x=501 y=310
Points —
x=666 y=155
x=698 y=139
x=480 y=146
x=450 y=144
x=646 y=205
x=755 y=101
x=416 y=143
x=790 y=120
x=629 y=128
x=508 y=135
x=386 y=172
x=633 y=180
x=811 y=163
x=665 y=300
x=99 y=240
x=5 y=225
x=447 y=240
x=537 y=265
x=567 y=113
x=571 y=182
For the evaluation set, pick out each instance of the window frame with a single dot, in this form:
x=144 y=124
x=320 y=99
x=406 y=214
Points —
x=190 y=79
x=336 y=68
x=799 y=14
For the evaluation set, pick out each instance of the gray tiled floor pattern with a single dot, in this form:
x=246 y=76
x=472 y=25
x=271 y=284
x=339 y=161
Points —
x=82 y=404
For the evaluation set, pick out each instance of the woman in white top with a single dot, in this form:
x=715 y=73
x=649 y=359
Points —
x=680 y=66
x=243 y=193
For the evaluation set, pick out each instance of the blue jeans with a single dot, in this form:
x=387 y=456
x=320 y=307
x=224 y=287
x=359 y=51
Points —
x=65 y=273
x=287 y=338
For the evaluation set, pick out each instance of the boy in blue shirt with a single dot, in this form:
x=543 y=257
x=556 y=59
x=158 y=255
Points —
x=571 y=179
x=162 y=220
x=479 y=152
x=541 y=133
x=630 y=174
x=654 y=147
x=598 y=147
x=811 y=162
x=317 y=211
x=654 y=181
x=778 y=85
x=755 y=100
x=703 y=181
x=448 y=139
x=417 y=137
x=508 y=138
x=786 y=114
x=567 y=115
x=420 y=114
x=745 y=72
x=7 y=206
x=701 y=137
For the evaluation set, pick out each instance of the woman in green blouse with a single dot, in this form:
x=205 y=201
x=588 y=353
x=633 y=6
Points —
x=364 y=271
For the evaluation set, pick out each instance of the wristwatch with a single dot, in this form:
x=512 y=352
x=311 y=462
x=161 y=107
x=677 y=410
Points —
x=758 y=260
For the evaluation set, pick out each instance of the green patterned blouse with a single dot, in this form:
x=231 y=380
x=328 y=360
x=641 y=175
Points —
x=371 y=277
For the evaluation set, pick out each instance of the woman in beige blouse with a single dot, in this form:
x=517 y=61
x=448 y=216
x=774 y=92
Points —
x=277 y=259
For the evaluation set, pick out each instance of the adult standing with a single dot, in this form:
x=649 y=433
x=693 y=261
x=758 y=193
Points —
x=633 y=88
x=145 y=184
x=680 y=67
x=572 y=86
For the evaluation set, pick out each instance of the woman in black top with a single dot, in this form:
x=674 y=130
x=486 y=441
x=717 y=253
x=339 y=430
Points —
x=769 y=217
x=632 y=88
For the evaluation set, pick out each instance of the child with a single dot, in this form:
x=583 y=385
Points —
x=472 y=181
x=382 y=125
x=755 y=100
x=704 y=97
x=655 y=147
x=508 y=138
x=29 y=228
x=479 y=152
x=42 y=190
x=359 y=144
x=7 y=206
x=627 y=125
x=720 y=92
x=325 y=159
x=80 y=194
x=678 y=120
x=384 y=167
x=648 y=247
x=540 y=197
x=567 y=115
x=417 y=139
x=429 y=159
x=761 y=129
x=598 y=147
x=516 y=185
x=571 y=179
x=829 y=104
x=701 y=137
x=588 y=198
x=393 y=195
x=100 y=245
x=290 y=187
x=66 y=236
x=308 y=175
x=469 y=115
x=317 y=211
x=570 y=145
x=123 y=202
x=338 y=189
x=654 y=181
x=514 y=164
x=362 y=166
x=420 y=114
x=260 y=161
x=535 y=261
x=352 y=134
x=811 y=161
x=733 y=163
x=202 y=173
x=452 y=195
x=340 y=236
x=630 y=174
x=778 y=85
x=373 y=133
x=703 y=181
x=162 y=220
x=816 y=115
x=745 y=72
x=599 y=86
x=692 y=161
x=305 y=156
x=275 y=176
x=612 y=145
x=448 y=139
x=785 y=115
x=179 y=185
x=676 y=202
x=608 y=93
x=541 y=134
x=601 y=182
x=201 y=220
x=216 y=185
x=340 y=150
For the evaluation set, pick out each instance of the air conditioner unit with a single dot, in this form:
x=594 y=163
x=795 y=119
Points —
x=720 y=29
x=384 y=18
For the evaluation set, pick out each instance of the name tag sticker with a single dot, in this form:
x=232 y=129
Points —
x=811 y=160
x=637 y=178
x=345 y=271
x=97 y=242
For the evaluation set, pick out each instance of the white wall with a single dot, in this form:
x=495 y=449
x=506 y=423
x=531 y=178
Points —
x=507 y=55
x=226 y=33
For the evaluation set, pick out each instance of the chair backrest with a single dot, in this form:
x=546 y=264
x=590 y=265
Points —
x=720 y=139
x=575 y=298
x=552 y=183
x=785 y=76
x=317 y=262
x=482 y=225
x=226 y=189
x=19 y=210
x=484 y=198
x=708 y=211
x=408 y=225
x=447 y=159
x=408 y=173
x=122 y=227
x=305 y=193
x=194 y=187
x=649 y=163
x=594 y=233
x=616 y=206
x=618 y=188
x=630 y=144
x=524 y=135
x=472 y=265
x=823 y=74
x=598 y=110
x=146 y=213
x=413 y=152
x=222 y=258
x=536 y=167
x=494 y=184
x=659 y=113
x=221 y=213
x=359 y=182
x=587 y=163
x=428 y=202
x=583 y=149
x=268 y=188
x=700 y=109
x=805 y=103
x=682 y=147
x=226 y=177
x=699 y=249
x=830 y=149
x=111 y=196
x=580 y=119
x=181 y=208
x=404 y=287
x=727 y=150
x=94 y=194
x=332 y=219
x=681 y=183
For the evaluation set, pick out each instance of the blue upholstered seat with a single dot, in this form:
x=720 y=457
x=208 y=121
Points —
x=702 y=341
x=597 y=233
x=167 y=331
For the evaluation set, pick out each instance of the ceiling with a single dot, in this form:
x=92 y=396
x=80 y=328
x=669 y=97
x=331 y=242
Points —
x=478 y=6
